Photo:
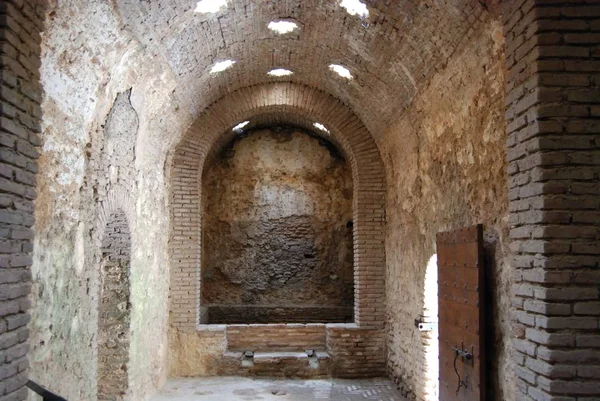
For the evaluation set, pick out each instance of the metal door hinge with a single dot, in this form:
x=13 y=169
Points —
x=425 y=324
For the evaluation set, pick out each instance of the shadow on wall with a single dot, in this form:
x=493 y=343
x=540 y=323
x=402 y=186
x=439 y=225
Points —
x=114 y=309
x=494 y=325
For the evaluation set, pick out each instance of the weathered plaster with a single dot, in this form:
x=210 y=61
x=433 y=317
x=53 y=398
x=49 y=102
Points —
x=446 y=168
x=85 y=172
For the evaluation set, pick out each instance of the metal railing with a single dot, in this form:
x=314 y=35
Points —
x=46 y=394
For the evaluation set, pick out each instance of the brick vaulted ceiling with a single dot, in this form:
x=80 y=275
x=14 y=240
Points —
x=392 y=53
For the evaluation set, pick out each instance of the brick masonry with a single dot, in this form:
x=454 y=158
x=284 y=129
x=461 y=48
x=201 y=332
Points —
x=356 y=352
x=114 y=314
x=282 y=337
x=344 y=351
x=20 y=113
x=553 y=150
x=221 y=314
x=551 y=49
x=207 y=133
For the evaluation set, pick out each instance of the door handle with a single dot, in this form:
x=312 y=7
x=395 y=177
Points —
x=465 y=356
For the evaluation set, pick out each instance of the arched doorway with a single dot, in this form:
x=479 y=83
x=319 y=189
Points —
x=430 y=330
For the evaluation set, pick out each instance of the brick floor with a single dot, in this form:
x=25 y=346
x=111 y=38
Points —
x=249 y=389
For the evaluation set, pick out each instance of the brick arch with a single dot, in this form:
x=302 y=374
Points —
x=272 y=116
x=117 y=200
x=293 y=102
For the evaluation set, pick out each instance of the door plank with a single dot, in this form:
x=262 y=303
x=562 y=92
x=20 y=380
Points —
x=461 y=314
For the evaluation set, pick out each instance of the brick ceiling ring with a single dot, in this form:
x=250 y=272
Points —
x=294 y=103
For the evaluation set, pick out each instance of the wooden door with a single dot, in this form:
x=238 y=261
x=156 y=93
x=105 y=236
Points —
x=461 y=314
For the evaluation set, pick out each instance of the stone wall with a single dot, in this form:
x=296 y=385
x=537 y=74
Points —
x=107 y=112
x=89 y=57
x=554 y=180
x=20 y=113
x=278 y=230
x=114 y=314
x=445 y=161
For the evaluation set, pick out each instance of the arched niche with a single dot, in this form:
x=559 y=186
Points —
x=277 y=238
x=114 y=309
x=295 y=105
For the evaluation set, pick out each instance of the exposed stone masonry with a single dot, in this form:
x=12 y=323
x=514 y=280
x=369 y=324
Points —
x=415 y=63
x=458 y=178
x=114 y=310
x=554 y=180
x=118 y=150
x=278 y=231
x=20 y=113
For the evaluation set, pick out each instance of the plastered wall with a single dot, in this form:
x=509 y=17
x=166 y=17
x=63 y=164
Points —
x=103 y=148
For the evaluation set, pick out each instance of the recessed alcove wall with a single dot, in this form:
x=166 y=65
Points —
x=356 y=349
x=114 y=315
x=277 y=243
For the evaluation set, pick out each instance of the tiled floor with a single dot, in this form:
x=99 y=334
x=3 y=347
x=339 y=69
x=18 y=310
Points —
x=250 y=389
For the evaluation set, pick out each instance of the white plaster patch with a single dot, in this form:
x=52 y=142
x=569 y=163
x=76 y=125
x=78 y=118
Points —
x=69 y=163
x=75 y=324
x=79 y=254
x=58 y=86
x=283 y=202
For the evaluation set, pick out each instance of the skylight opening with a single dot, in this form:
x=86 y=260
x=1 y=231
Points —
x=222 y=66
x=209 y=6
x=240 y=126
x=341 y=71
x=280 y=72
x=321 y=127
x=355 y=7
x=283 y=27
